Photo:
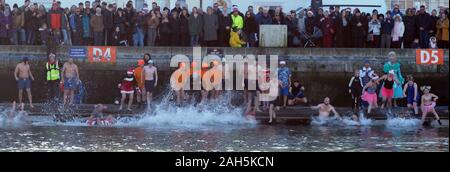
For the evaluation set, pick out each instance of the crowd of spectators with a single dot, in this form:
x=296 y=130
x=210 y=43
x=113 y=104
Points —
x=99 y=23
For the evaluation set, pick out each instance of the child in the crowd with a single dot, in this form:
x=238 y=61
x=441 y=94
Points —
x=235 y=39
x=296 y=94
x=428 y=104
x=415 y=44
x=127 y=86
x=370 y=95
x=433 y=43
x=355 y=88
x=410 y=91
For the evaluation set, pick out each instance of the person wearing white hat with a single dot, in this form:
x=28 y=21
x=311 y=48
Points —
x=284 y=75
x=237 y=18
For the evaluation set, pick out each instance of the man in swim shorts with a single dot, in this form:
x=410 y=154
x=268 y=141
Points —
x=70 y=80
x=150 y=78
x=23 y=76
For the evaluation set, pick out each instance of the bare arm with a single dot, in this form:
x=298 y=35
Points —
x=15 y=72
x=316 y=107
x=406 y=87
x=381 y=78
x=156 y=77
x=62 y=73
x=415 y=91
x=29 y=73
x=77 y=74
x=143 y=75
x=335 y=112
x=435 y=97
x=364 y=88
x=422 y=102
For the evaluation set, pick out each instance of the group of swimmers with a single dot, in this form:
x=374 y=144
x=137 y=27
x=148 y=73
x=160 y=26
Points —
x=143 y=80
x=365 y=84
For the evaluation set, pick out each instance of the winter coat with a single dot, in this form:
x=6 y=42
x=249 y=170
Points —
x=442 y=30
x=195 y=25
x=97 y=23
x=210 y=27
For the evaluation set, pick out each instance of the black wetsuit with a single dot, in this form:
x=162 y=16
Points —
x=356 y=87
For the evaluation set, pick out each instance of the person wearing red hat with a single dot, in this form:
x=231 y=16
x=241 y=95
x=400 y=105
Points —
x=127 y=86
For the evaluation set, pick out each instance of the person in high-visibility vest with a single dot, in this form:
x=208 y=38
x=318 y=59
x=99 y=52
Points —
x=52 y=76
x=237 y=19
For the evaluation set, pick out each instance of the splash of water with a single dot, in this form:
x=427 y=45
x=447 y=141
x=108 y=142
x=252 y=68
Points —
x=403 y=122
x=214 y=113
x=18 y=118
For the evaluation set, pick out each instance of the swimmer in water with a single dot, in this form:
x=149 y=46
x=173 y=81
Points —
x=13 y=113
x=97 y=116
x=325 y=109
x=428 y=104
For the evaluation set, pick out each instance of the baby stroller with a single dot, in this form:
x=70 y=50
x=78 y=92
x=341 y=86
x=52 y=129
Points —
x=309 y=40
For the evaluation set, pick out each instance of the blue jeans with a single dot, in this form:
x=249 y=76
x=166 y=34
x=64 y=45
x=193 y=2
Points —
x=31 y=34
x=151 y=37
x=251 y=39
x=18 y=37
x=424 y=39
x=14 y=39
x=194 y=40
x=98 y=38
x=22 y=36
x=66 y=37
x=138 y=38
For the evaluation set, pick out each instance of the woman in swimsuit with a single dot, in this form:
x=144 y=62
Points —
x=428 y=104
x=370 y=95
x=410 y=91
x=387 y=91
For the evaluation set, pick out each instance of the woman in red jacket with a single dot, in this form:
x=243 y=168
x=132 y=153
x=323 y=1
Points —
x=327 y=29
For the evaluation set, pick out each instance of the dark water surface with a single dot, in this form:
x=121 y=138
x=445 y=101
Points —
x=242 y=137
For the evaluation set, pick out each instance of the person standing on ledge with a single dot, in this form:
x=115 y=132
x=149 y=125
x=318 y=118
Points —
x=284 y=75
x=138 y=76
x=150 y=78
x=53 y=77
x=428 y=103
x=23 y=76
x=394 y=65
x=70 y=79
